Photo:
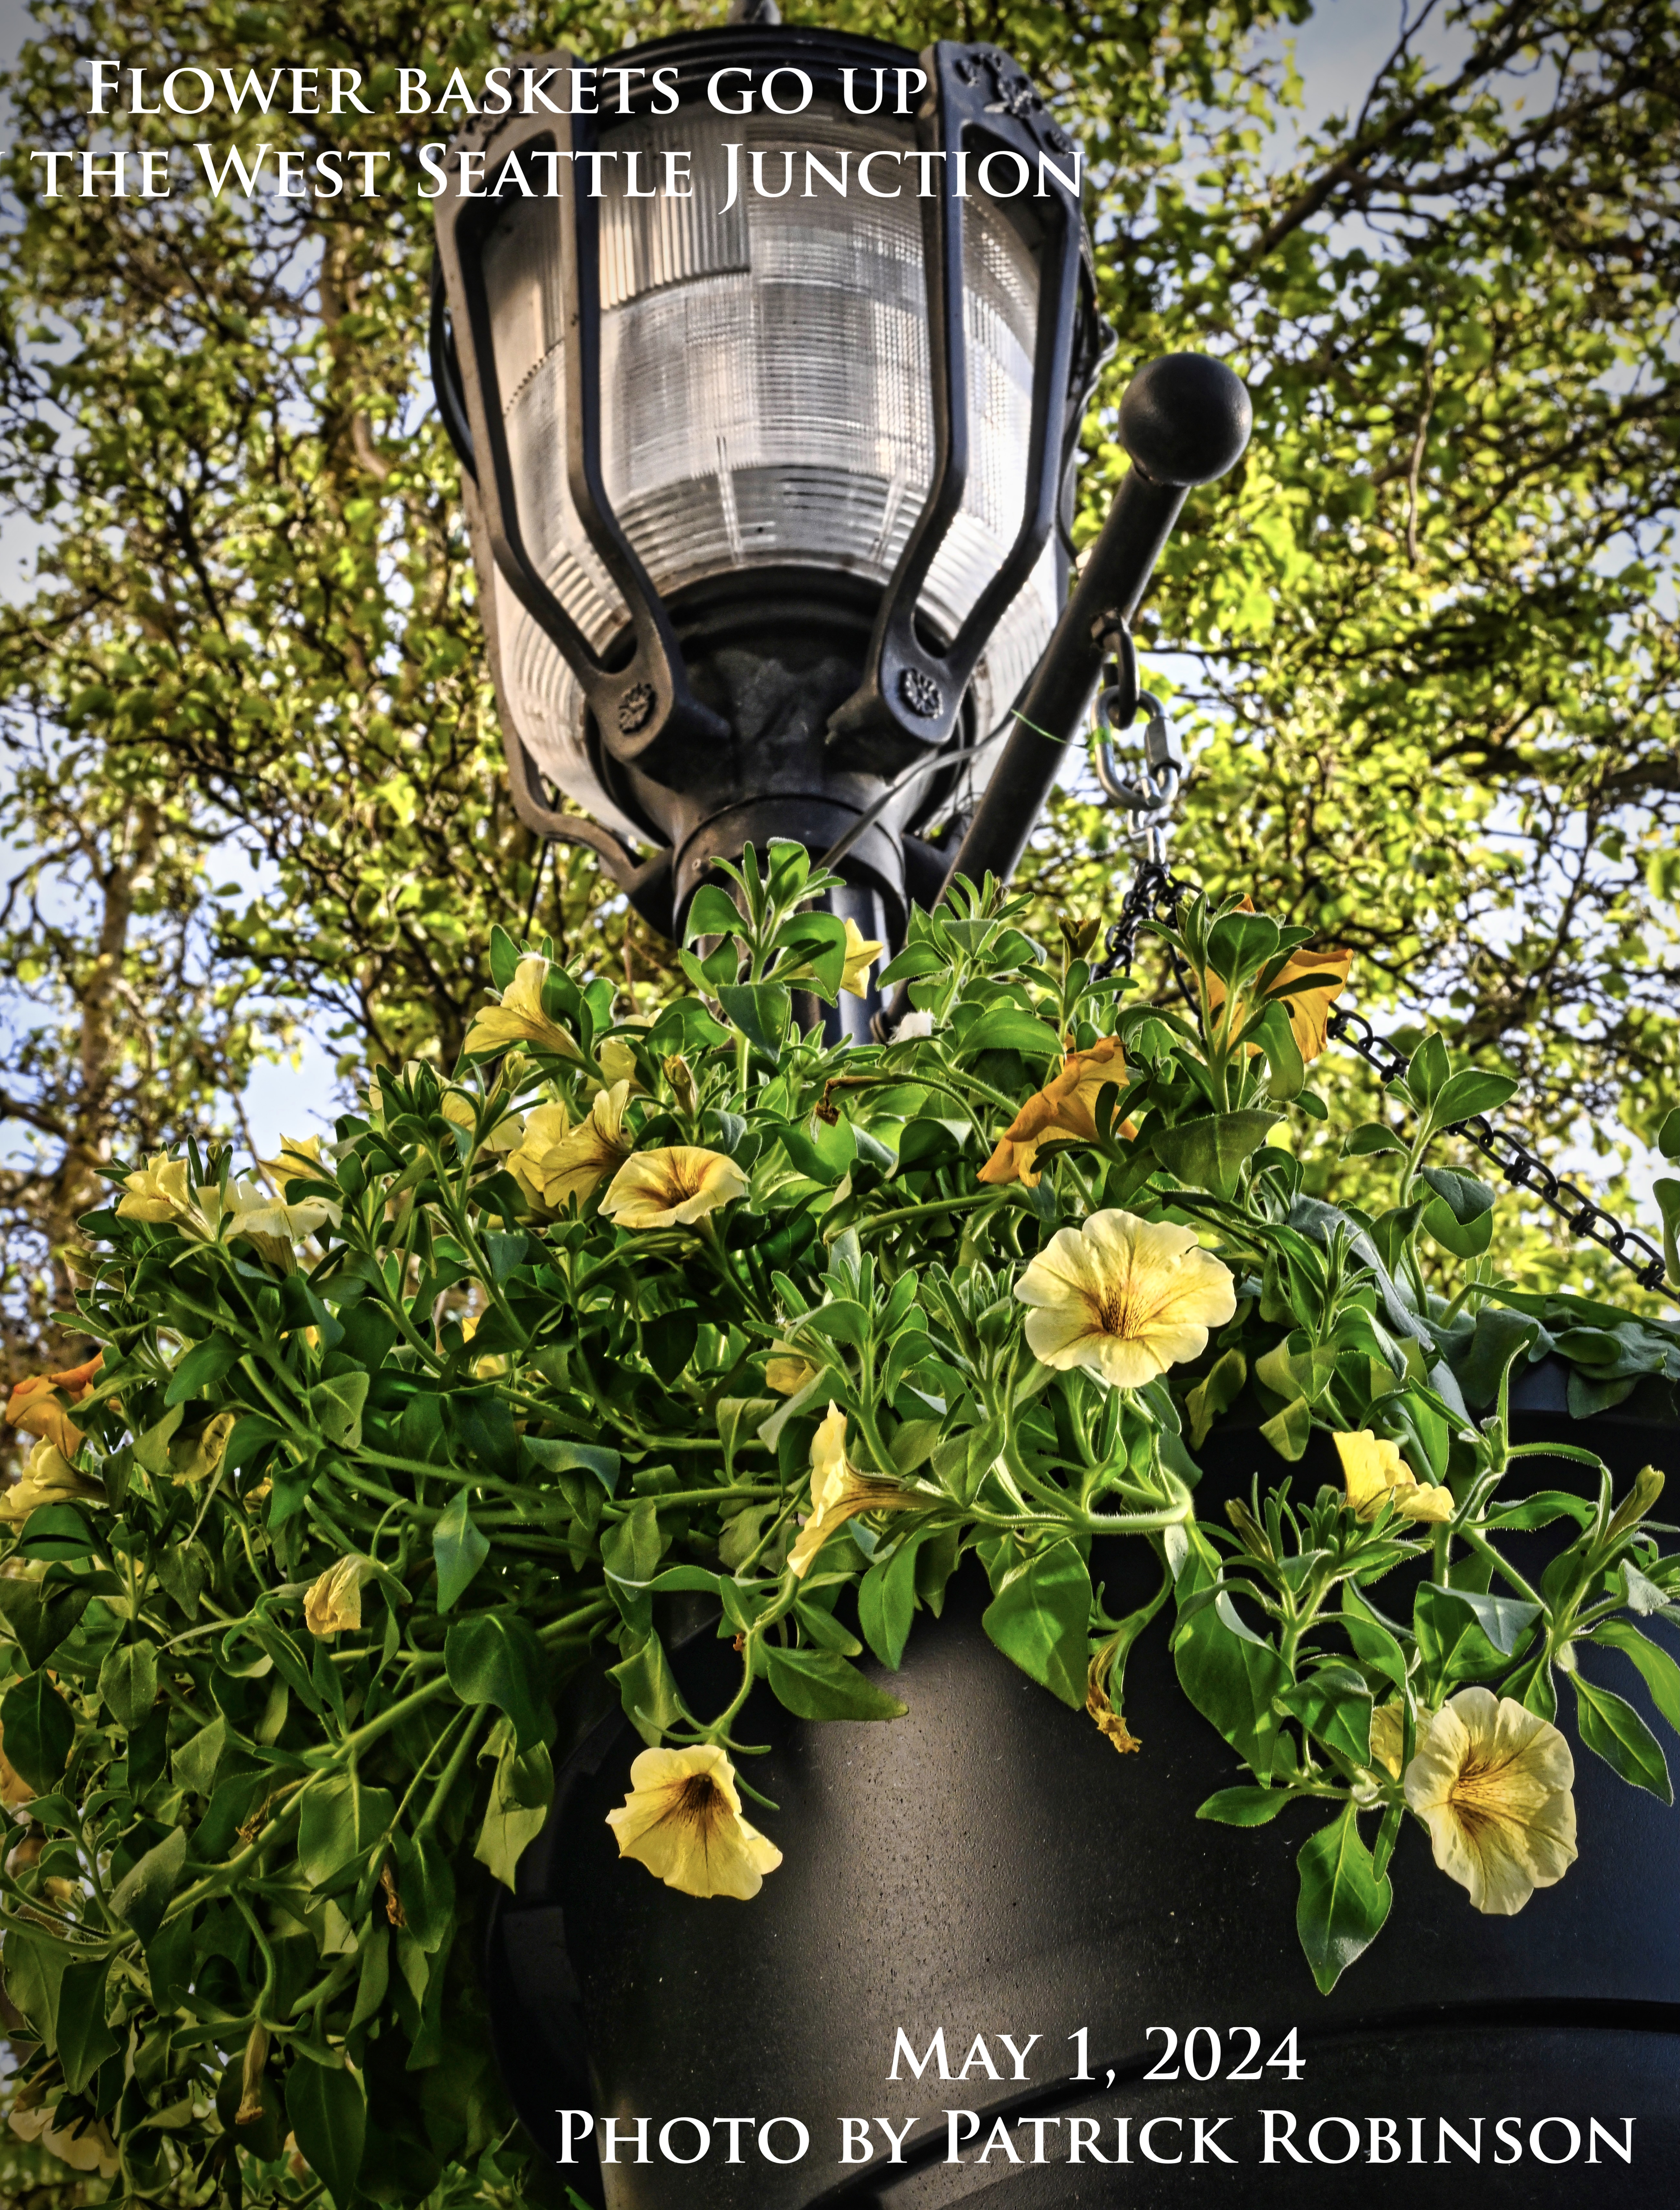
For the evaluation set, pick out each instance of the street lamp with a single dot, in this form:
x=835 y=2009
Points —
x=769 y=500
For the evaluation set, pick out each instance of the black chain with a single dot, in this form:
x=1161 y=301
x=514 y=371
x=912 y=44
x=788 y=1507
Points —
x=1517 y=1163
x=1156 y=892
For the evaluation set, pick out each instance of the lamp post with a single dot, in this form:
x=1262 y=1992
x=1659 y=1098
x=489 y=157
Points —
x=764 y=351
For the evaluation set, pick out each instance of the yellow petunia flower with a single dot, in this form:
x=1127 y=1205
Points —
x=49 y=1478
x=34 y=1407
x=1492 y=1783
x=1377 y=1474
x=837 y=1492
x=861 y=953
x=1124 y=1298
x=520 y=1019
x=672 y=1187
x=84 y=2147
x=682 y=1819
x=334 y=1601
x=787 y=1370
x=1064 y=1111
x=555 y=1163
x=158 y=1193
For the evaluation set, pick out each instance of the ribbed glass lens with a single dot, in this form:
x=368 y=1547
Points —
x=765 y=391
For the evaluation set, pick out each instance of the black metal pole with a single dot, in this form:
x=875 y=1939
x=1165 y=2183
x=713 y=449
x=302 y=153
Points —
x=1184 y=420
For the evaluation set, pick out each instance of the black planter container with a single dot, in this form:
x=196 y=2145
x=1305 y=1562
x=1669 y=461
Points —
x=987 y=1865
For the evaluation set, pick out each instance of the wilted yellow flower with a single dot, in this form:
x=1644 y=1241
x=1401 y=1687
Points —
x=195 y=1453
x=861 y=953
x=616 y=1060
x=1124 y=1298
x=158 y=1192
x=14 y=1789
x=85 y=2148
x=1377 y=1474
x=49 y=1478
x=1309 y=1011
x=34 y=1406
x=520 y=1018
x=787 y=1370
x=554 y=1163
x=1064 y=1111
x=672 y=1187
x=335 y=1601
x=1111 y=1723
x=1492 y=1783
x=460 y=1111
x=682 y=1819
x=1387 y=1737
x=837 y=1492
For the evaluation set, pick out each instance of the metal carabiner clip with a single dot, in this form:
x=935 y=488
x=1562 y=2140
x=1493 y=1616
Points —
x=1163 y=762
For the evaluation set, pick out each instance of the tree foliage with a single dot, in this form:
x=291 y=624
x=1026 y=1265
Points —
x=1428 y=662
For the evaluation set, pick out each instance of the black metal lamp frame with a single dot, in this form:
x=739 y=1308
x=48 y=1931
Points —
x=908 y=704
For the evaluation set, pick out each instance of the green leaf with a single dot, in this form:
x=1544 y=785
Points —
x=194 y=1764
x=1040 y=1618
x=819 y=1684
x=1276 y=1038
x=326 y=2109
x=887 y=1603
x=521 y=1791
x=582 y=1457
x=143 y=1893
x=1239 y=945
x=1464 y=1238
x=39 y=1731
x=40 y=1616
x=1470 y=1091
x=1209 y=1153
x=426 y=1882
x=1245 y=1807
x=1660 y=1673
x=761 y=1011
x=1214 y=1394
x=1504 y=1619
x=495 y=1659
x=1343 y=1903
x=1543 y=1509
x=1370 y=1137
x=1290 y=1430
x=1228 y=1674
x=712 y=912
x=648 y=1689
x=339 y=1825
x=1466 y=1196
x=129 y=1681
x=1333 y=1703
x=1006 y=1028
x=1614 y=1730
x=335 y=1406
x=84 y=2039
x=205 y=1362
x=1450 y=1641
x=459 y=1549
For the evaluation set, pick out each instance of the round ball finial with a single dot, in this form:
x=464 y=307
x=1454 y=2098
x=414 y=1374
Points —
x=1185 y=419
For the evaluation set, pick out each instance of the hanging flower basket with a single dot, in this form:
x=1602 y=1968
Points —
x=953 y=1536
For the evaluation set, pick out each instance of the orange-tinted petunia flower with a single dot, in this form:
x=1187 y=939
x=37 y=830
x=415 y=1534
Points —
x=35 y=1405
x=1062 y=1112
x=1309 y=1011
